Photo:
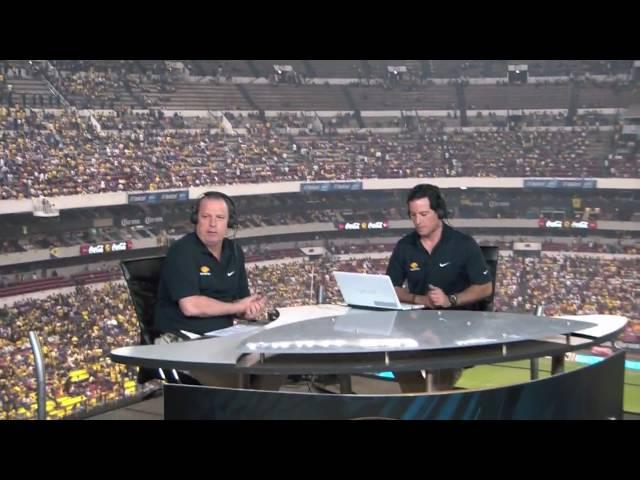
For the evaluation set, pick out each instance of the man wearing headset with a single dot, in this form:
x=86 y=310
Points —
x=203 y=284
x=443 y=269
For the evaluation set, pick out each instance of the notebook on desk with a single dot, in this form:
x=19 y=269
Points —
x=235 y=329
x=363 y=290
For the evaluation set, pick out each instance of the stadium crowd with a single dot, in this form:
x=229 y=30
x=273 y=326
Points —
x=47 y=154
x=41 y=155
x=76 y=330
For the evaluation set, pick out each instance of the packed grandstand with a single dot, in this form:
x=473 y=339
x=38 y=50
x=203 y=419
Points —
x=101 y=160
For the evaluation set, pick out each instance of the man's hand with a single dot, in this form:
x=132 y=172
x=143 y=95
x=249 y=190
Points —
x=423 y=300
x=438 y=297
x=243 y=304
x=254 y=305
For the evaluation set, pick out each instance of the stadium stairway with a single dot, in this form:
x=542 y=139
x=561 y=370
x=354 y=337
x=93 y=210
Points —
x=247 y=97
x=352 y=104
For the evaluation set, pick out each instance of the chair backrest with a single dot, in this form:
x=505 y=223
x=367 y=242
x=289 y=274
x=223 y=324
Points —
x=491 y=254
x=143 y=277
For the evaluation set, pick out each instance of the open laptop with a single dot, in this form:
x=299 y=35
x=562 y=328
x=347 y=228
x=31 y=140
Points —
x=362 y=290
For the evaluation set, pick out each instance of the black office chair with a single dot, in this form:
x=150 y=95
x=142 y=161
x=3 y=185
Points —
x=491 y=254
x=143 y=277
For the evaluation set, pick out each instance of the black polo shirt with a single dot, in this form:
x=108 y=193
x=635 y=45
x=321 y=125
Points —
x=191 y=269
x=455 y=263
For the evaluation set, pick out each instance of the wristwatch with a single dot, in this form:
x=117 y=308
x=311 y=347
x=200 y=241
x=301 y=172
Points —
x=453 y=299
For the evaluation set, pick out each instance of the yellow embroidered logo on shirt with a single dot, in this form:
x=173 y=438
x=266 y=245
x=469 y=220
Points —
x=204 y=270
x=413 y=266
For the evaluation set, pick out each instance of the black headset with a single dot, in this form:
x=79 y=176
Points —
x=436 y=200
x=231 y=206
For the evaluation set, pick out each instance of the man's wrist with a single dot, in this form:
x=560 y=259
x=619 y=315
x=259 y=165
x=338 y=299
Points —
x=413 y=298
x=453 y=300
x=239 y=308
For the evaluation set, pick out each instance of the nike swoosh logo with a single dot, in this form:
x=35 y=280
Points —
x=485 y=272
x=230 y=273
x=444 y=264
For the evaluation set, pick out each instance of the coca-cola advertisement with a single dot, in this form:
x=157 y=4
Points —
x=109 y=247
x=568 y=224
x=378 y=225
